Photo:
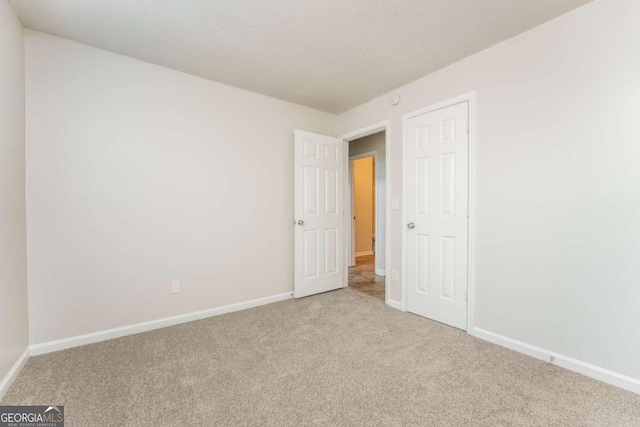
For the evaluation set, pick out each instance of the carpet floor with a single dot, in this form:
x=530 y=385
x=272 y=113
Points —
x=341 y=358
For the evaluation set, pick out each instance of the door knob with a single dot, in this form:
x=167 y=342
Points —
x=411 y=226
x=300 y=222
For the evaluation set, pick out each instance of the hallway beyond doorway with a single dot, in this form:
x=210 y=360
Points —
x=362 y=277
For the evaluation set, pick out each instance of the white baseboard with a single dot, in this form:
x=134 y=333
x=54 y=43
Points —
x=65 y=343
x=584 y=368
x=395 y=304
x=13 y=372
x=381 y=272
x=364 y=253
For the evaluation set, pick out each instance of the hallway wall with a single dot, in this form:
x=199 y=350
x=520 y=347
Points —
x=363 y=202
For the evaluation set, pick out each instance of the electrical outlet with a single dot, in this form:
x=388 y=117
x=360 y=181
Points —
x=176 y=286
x=395 y=203
x=394 y=275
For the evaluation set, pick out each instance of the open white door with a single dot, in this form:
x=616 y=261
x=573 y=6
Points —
x=319 y=214
x=437 y=197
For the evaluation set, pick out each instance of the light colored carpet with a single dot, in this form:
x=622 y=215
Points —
x=337 y=359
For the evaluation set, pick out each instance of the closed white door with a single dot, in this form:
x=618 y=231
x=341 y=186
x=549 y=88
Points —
x=437 y=195
x=319 y=213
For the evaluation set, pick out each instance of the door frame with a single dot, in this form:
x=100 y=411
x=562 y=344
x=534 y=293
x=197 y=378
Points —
x=351 y=241
x=350 y=136
x=469 y=97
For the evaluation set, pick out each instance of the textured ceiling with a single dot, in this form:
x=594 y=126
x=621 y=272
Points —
x=327 y=54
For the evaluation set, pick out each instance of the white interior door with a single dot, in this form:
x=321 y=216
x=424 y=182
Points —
x=319 y=213
x=437 y=195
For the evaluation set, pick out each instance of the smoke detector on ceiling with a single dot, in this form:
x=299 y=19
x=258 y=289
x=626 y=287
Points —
x=395 y=100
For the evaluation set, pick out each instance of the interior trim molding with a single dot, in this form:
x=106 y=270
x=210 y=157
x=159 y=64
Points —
x=395 y=304
x=79 y=340
x=596 y=372
x=365 y=253
x=13 y=372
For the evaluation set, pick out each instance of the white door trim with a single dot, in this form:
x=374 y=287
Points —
x=351 y=244
x=361 y=133
x=471 y=278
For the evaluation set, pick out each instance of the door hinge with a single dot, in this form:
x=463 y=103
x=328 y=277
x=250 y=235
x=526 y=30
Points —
x=467 y=127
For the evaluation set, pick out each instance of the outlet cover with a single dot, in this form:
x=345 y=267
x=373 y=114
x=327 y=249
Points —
x=176 y=286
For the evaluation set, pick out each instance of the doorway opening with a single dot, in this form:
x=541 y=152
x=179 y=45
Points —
x=367 y=203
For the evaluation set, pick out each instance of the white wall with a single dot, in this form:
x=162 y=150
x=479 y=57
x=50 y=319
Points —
x=138 y=175
x=377 y=143
x=557 y=181
x=14 y=332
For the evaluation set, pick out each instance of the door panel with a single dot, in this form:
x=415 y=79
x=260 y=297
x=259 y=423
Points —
x=319 y=213
x=437 y=196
